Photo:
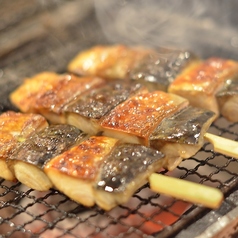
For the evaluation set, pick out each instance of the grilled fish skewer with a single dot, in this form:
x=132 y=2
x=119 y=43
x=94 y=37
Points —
x=86 y=111
x=205 y=86
x=162 y=121
x=102 y=171
x=95 y=170
x=137 y=113
x=154 y=68
x=28 y=160
x=15 y=128
x=119 y=168
x=210 y=84
x=46 y=93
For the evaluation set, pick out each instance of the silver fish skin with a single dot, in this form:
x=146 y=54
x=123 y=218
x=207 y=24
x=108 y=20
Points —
x=184 y=127
x=158 y=70
x=124 y=164
x=43 y=146
x=100 y=101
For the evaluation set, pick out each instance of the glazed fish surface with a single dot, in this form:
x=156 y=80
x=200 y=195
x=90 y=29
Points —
x=211 y=84
x=89 y=108
x=15 y=128
x=156 y=68
x=136 y=118
x=47 y=93
x=103 y=171
x=28 y=160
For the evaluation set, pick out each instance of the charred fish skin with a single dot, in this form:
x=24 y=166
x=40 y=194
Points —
x=99 y=102
x=158 y=70
x=124 y=164
x=183 y=127
x=43 y=146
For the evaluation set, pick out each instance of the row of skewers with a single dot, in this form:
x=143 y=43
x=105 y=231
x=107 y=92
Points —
x=108 y=137
x=211 y=84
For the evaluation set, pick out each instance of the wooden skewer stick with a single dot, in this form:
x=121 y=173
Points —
x=186 y=190
x=223 y=145
x=194 y=192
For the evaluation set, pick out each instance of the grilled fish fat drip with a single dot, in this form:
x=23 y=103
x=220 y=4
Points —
x=28 y=160
x=15 y=128
x=101 y=170
x=154 y=68
x=47 y=93
x=211 y=84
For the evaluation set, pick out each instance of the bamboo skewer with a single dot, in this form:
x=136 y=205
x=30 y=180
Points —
x=194 y=192
x=186 y=190
x=223 y=145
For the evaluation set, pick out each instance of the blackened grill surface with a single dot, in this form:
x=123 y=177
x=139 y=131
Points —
x=37 y=38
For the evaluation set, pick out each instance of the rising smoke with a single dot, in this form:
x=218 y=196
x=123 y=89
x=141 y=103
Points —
x=181 y=23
